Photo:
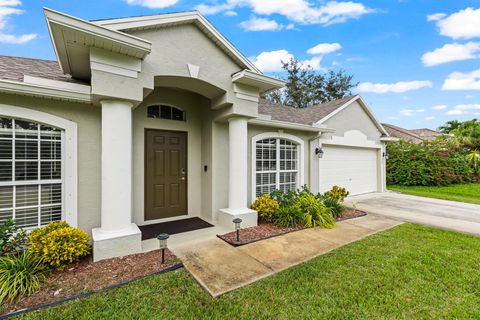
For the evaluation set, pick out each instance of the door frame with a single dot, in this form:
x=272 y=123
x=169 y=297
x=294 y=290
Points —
x=145 y=149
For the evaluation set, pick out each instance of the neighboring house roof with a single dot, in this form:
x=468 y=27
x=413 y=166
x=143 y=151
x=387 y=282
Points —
x=16 y=68
x=426 y=134
x=401 y=133
x=309 y=116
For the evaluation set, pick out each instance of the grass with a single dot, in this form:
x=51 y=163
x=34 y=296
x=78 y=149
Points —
x=459 y=192
x=406 y=272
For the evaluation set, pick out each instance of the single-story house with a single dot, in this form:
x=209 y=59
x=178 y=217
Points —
x=157 y=118
x=411 y=135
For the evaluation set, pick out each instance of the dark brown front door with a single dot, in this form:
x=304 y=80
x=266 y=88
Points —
x=165 y=174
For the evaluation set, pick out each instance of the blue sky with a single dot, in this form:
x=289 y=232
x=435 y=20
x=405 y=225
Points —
x=417 y=61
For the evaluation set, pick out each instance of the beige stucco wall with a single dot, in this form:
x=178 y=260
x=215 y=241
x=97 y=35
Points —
x=254 y=130
x=88 y=120
x=354 y=118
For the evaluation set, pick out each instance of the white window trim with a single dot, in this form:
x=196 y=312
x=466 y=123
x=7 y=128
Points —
x=69 y=154
x=277 y=135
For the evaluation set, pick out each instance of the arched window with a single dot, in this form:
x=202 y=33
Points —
x=277 y=162
x=165 y=112
x=31 y=172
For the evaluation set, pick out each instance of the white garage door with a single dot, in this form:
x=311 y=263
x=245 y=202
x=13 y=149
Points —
x=352 y=168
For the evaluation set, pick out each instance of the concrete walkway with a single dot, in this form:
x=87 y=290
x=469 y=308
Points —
x=220 y=268
x=450 y=215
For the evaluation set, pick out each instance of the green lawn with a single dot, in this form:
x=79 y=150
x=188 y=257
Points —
x=460 y=192
x=406 y=272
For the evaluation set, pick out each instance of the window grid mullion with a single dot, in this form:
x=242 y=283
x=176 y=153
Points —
x=39 y=178
x=14 y=188
x=277 y=174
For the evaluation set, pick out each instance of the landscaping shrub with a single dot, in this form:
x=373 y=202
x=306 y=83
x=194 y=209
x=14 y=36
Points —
x=438 y=162
x=334 y=205
x=289 y=216
x=20 y=275
x=13 y=240
x=315 y=213
x=58 y=244
x=337 y=193
x=266 y=207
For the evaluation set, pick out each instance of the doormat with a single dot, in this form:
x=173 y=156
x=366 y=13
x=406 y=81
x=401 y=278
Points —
x=172 y=227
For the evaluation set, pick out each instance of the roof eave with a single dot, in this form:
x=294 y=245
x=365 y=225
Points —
x=288 y=125
x=262 y=82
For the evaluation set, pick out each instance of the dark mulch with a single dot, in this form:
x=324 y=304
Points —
x=172 y=227
x=269 y=230
x=86 y=276
x=350 y=214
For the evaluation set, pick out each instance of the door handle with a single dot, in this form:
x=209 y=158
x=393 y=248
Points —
x=183 y=171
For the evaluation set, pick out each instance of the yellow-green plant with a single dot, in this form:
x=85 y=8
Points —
x=58 y=244
x=337 y=193
x=266 y=208
x=474 y=159
x=19 y=275
x=315 y=213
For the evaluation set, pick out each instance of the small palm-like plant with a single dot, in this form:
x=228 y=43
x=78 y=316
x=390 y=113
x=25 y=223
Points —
x=474 y=159
x=19 y=275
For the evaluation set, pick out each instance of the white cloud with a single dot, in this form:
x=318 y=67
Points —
x=410 y=112
x=452 y=52
x=262 y=24
x=152 y=4
x=464 y=24
x=460 y=109
x=271 y=61
x=429 y=118
x=468 y=96
x=436 y=16
x=439 y=107
x=300 y=11
x=401 y=86
x=230 y=13
x=7 y=9
x=462 y=81
x=324 y=48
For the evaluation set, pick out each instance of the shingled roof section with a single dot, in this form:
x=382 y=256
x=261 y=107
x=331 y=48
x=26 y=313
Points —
x=15 y=68
x=307 y=116
x=426 y=134
x=402 y=133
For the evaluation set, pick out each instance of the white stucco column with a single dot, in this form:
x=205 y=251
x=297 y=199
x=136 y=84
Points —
x=117 y=234
x=238 y=163
x=238 y=176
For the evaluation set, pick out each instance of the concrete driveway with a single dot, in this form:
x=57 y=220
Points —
x=451 y=215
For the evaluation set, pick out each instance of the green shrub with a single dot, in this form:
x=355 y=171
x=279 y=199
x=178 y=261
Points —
x=58 y=244
x=337 y=193
x=266 y=207
x=336 y=208
x=315 y=213
x=289 y=216
x=286 y=198
x=13 y=240
x=19 y=275
x=438 y=162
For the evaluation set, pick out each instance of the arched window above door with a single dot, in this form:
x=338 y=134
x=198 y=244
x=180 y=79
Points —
x=165 y=112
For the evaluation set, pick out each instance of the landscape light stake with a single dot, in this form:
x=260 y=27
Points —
x=237 y=222
x=162 y=240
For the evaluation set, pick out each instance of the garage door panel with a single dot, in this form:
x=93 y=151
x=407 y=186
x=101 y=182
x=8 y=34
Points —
x=352 y=168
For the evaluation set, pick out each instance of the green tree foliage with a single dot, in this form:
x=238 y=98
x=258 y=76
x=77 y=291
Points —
x=449 y=126
x=305 y=87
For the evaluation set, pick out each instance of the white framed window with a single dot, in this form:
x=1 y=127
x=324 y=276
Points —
x=38 y=167
x=31 y=173
x=277 y=163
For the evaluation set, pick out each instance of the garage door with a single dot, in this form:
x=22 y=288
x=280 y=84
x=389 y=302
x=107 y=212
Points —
x=352 y=168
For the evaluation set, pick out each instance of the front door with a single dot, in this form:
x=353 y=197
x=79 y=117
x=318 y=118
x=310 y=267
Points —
x=165 y=174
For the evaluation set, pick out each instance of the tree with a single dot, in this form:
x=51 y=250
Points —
x=305 y=87
x=449 y=126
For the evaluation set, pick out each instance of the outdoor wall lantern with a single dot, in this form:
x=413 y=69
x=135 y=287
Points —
x=162 y=241
x=385 y=155
x=237 y=222
x=319 y=152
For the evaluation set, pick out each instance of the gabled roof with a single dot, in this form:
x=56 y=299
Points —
x=308 y=116
x=402 y=133
x=426 y=134
x=171 y=19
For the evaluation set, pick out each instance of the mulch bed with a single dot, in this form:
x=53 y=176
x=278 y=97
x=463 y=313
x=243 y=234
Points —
x=87 y=276
x=268 y=230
